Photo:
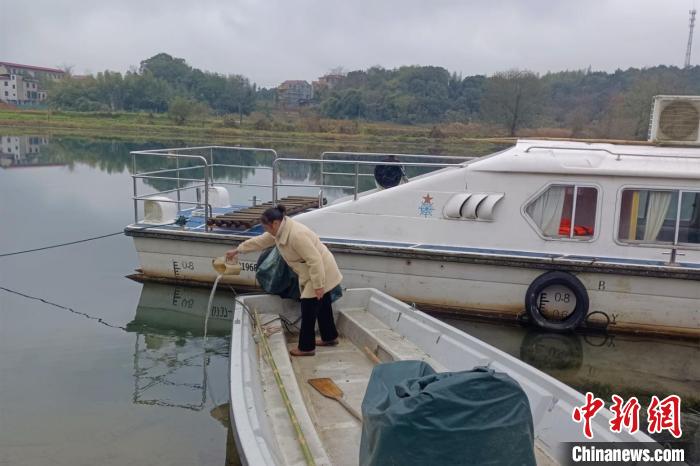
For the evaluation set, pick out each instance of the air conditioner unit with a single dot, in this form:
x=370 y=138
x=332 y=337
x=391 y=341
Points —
x=675 y=119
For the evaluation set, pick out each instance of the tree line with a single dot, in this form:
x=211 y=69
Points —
x=161 y=84
x=580 y=103
x=585 y=103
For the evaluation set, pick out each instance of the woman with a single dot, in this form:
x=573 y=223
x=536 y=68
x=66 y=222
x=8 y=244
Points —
x=318 y=274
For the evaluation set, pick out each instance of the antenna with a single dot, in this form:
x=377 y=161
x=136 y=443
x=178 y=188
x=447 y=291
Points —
x=691 y=26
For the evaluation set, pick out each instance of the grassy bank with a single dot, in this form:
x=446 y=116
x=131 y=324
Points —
x=289 y=127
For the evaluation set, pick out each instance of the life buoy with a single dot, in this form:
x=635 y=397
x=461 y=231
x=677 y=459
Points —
x=552 y=291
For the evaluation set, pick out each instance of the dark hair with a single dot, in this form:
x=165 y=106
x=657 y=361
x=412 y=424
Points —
x=272 y=214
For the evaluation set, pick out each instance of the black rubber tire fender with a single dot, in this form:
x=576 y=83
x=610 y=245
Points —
x=557 y=278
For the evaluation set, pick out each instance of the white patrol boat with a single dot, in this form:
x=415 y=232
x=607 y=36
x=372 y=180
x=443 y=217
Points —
x=564 y=233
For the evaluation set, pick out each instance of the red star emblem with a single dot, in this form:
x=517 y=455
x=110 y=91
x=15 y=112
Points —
x=427 y=199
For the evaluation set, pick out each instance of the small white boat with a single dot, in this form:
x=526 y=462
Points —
x=369 y=321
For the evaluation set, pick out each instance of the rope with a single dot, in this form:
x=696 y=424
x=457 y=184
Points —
x=61 y=245
x=79 y=241
x=88 y=316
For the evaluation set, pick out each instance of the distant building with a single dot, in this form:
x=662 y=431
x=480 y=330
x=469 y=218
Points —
x=20 y=84
x=330 y=80
x=294 y=93
x=36 y=72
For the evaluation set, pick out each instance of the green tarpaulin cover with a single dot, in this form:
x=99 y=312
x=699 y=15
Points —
x=415 y=416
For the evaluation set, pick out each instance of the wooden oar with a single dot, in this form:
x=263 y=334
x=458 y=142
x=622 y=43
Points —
x=329 y=389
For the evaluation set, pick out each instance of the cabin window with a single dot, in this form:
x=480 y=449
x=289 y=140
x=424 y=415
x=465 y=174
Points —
x=565 y=211
x=655 y=216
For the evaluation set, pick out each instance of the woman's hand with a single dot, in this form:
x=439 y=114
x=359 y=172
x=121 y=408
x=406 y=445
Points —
x=231 y=254
x=319 y=293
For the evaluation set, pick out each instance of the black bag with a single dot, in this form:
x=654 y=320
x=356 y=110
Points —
x=275 y=276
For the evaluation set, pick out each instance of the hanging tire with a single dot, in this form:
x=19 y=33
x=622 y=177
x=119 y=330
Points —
x=557 y=301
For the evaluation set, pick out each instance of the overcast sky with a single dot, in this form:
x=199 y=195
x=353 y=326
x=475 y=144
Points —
x=270 y=41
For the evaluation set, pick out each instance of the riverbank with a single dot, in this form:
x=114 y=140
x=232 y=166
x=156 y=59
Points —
x=289 y=127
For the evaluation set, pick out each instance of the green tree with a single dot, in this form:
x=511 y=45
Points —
x=174 y=71
x=511 y=99
x=181 y=110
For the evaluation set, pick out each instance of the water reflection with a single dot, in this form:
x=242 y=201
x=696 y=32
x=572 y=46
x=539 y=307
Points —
x=112 y=156
x=607 y=364
x=180 y=311
x=22 y=151
x=170 y=360
x=173 y=366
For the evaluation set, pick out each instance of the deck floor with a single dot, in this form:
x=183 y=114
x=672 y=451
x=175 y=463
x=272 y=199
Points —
x=350 y=369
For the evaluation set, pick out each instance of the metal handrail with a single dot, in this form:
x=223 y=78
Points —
x=347 y=174
x=155 y=172
x=232 y=148
x=385 y=154
x=167 y=191
x=208 y=163
x=388 y=154
x=207 y=166
x=241 y=166
x=135 y=176
x=292 y=185
x=355 y=163
x=149 y=177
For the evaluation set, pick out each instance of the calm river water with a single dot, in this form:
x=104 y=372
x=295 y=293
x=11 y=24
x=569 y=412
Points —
x=98 y=369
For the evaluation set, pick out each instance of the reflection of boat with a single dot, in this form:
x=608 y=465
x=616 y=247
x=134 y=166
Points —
x=182 y=309
x=171 y=364
x=393 y=331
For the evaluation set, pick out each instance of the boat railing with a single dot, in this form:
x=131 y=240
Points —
x=387 y=158
x=617 y=155
x=356 y=174
x=205 y=159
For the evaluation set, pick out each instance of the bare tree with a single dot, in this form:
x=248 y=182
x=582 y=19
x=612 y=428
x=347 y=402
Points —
x=511 y=98
x=338 y=70
x=67 y=69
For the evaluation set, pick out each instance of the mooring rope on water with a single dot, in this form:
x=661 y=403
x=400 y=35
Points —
x=82 y=240
x=83 y=314
x=61 y=245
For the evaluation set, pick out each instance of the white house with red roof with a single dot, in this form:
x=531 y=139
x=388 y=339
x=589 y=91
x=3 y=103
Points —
x=20 y=84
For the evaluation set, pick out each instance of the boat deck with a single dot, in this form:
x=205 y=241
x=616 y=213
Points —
x=237 y=219
x=332 y=434
x=350 y=369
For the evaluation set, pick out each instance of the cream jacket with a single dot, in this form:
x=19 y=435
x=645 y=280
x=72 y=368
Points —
x=303 y=250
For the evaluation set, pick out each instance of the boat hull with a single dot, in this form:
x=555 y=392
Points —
x=622 y=299
x=391 y=331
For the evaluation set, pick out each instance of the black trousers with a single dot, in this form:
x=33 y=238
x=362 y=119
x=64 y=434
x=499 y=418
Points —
x=312 y=309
